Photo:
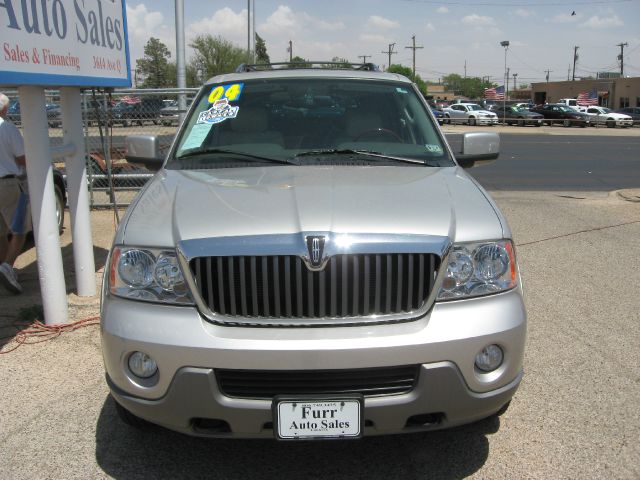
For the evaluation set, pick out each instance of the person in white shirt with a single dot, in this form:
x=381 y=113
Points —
x=15 y=219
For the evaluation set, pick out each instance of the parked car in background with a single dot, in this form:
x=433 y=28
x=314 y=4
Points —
x=633 y=112
x=54 y=117
x=554 y=113
x=569 y=102
x=605 y=116
x=512 y=115
x=137 y=111
x=170 y=113
x=469 y=113
x=438 y=114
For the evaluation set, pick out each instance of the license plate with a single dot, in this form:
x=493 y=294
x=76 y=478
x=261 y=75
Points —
x=303 y=418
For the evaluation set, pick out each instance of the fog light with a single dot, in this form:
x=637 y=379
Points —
x=142 y=365
x=489 y=358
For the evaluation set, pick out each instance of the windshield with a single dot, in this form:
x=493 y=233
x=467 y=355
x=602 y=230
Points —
x=566 y=109
x=307 y=120
x=474 y=107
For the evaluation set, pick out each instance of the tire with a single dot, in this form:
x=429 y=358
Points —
x=521 y=122
x=126 y=123
x=447 y=119
x=129 y=418
x=59 y=207
x=503 y=409
x=472 y=121
x=611 y=123
x=566 y=123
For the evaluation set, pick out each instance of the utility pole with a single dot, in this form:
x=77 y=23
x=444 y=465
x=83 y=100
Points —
x=621 y=57
x=575 y=59
x=248 y=31
x=364 y=58
x=569 y=73
x=548 y=72
x=390 y=52
x=414 y=48
x=514 y=81
x=506 y=92
x=465 y=68
x=290 y=50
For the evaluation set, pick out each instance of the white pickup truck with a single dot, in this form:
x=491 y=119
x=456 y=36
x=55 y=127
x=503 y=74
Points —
x=605 y=116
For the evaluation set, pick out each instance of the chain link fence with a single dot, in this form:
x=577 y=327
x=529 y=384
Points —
x=111 y=116
x=108 y=117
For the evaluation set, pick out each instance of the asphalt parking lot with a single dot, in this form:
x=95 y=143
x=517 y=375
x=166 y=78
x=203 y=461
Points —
x=576 y=414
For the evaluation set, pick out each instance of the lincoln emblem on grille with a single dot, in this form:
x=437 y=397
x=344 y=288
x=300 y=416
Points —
x=315 y=246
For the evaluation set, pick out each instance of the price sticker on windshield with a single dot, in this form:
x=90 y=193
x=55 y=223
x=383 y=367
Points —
x=231 y=92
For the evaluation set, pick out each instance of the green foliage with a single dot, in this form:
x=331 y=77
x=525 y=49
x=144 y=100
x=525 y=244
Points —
x=191 y=74
x=341 y=63
x=470 y=87
x=299 y=62
x=215 y=55
x=407 y=72
x=153 y=67
x=261 y=50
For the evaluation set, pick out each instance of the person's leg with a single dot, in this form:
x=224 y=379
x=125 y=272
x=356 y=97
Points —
x=12 y=211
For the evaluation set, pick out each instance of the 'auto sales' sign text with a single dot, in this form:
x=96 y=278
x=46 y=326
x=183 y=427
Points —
x=64 y=42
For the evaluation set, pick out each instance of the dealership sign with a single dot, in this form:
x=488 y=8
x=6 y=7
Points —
x=64 y=43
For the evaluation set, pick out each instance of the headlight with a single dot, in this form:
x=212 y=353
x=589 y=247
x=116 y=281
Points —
x=480 y=268
x=147 y=274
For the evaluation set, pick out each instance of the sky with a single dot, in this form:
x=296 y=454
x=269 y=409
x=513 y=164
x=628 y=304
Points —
x=457 y=36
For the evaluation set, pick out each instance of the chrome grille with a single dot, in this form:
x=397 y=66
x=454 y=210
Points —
x=281 y=286
x=266 y=384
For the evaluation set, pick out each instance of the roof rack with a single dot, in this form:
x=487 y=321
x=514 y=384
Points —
x=244 y=67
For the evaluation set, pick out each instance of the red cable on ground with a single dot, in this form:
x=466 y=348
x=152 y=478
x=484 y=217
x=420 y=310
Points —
x=38 y=332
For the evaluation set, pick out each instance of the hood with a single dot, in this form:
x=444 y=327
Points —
x=186 y=205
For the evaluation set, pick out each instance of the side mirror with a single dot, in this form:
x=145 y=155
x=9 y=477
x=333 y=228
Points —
x=478 y=147
x=144 y=150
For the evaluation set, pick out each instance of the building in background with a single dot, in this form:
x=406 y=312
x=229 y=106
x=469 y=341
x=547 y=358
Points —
x=611 y=92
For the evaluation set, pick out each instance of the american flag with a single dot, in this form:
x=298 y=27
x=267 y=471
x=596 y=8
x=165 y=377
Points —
x=588 y=98
x=494 y=93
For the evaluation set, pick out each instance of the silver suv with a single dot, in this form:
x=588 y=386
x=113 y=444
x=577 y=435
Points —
x=312 y=261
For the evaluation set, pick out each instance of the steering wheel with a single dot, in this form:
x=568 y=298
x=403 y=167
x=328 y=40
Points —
x=378 y=132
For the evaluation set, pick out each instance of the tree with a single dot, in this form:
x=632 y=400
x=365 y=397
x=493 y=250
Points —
x=153 y=66
x=299 y=62
x=407 y=72
x=261 y=50
x=215 y=55
x=470 y=87
x=341 y=63
x=191 y=74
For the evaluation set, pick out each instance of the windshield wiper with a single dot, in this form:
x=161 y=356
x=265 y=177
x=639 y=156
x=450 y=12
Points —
x=366 y=153
x=205 y=151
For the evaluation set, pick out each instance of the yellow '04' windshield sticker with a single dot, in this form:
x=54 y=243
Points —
x=231 y=92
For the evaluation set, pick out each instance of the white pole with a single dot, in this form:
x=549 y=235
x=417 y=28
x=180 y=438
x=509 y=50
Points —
x=77 y=192
x=180 y=57
x=43 y=204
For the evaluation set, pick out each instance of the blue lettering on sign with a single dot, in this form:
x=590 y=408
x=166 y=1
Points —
x=49 y=17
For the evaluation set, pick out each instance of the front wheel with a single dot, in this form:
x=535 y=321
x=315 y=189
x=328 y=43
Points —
x=566 y=123
x=472 y=121
x=521 y=122
x=611 y=123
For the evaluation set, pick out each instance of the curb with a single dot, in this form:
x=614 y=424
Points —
x=630 y=194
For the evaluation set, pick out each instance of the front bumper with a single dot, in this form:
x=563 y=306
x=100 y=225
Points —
x=487 y=121
x=185 y=395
